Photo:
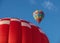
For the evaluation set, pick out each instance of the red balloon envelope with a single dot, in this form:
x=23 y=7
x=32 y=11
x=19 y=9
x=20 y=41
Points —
x=14 y=30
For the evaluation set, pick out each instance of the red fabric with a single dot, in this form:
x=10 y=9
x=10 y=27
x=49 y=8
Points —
x=36 y=37
x=44 y=38
x=16 y=33
x=4 y=33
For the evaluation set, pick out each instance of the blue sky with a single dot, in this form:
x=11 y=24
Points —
x=24 y=8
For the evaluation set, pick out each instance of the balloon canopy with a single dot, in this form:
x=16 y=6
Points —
x=14 y=30
x=38 y=15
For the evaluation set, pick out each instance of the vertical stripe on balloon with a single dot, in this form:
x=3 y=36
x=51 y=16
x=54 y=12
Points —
x=15 y=32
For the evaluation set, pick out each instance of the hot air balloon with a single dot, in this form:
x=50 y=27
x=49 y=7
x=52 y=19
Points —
x=38 y=15
x=14 y=30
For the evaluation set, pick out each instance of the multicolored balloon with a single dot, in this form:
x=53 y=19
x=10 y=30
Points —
x=14 y=30
x=38 y=15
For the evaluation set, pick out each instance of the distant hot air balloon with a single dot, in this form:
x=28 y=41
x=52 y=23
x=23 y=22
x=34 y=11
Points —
x=38 y=15
x=14 y=30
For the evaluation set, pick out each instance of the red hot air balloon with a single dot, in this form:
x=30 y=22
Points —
x=14 y=30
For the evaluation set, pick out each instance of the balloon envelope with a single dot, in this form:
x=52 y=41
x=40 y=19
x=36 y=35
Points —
x=38 y=15
x=14 y=30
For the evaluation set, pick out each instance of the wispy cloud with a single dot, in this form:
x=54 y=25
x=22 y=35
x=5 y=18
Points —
x=49 y=5
x=32 y=2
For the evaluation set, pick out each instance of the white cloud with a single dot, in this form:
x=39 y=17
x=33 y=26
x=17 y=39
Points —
x=49 y=5
x=32 y=2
